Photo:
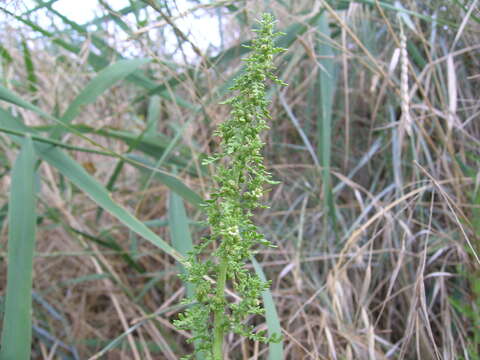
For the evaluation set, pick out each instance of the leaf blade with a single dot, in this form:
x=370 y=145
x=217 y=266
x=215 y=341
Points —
x=17 y=324
x=97 y=192
x=327 y=85
x=105 y=79
x=271 y=316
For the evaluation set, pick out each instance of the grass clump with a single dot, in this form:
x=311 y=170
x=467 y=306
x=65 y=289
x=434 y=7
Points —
x=241 y=177
x=377 y=229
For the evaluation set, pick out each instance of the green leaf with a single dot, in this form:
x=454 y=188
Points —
x=22 y=217
x=179 y=230
x=181 y=237
x=149 y=145
x=29 y=67
x=99 y=62
x=178 y=221
x=153 y=115
x=8 y=123
x=11 y=97
x=100 y=83
x=96 y=191
x=167 y=179
x=273 y=322
x=327 y=84
x=153 y=145
x=112 y=244
x=7 y=58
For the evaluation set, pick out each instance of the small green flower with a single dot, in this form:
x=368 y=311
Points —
x=241 y=177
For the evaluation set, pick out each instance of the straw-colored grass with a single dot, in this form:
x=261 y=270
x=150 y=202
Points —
x=375 y=219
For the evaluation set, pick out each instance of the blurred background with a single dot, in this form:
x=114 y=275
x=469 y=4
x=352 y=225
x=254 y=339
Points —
x=375 y=143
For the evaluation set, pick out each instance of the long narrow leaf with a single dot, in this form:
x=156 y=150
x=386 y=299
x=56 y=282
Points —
x=168 y=180
x=181 y=238
x=97 y=192
x=11 y=97
x=273 y=322
x=154 y=110
x=100 y=83
x=178 y=221
x=8 y=122
x=29 y=67
x=17 y=323
x=99 y=62
x=327 y=84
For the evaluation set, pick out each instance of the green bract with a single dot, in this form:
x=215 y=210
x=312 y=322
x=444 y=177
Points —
x=241 y=177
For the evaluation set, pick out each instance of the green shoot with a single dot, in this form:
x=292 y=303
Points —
x=241 y=177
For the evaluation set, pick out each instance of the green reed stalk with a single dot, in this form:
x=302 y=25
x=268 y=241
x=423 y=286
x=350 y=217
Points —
x=241 y=177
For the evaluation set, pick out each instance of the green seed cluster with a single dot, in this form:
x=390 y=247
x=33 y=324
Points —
x=241 y=177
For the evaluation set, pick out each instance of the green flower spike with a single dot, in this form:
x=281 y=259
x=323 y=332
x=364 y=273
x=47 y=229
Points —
x=241 y=177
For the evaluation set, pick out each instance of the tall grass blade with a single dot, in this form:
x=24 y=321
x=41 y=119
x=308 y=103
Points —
x=170 y=181
x=41 y=5
x=181 y=237
x=98 y=62
x=11 y=97
x=108 y=51
x=167 y=179
x=8 y=122
x=178 y=222
x=97 y=192
x=29 y=67
x=401 y=10
x=327 y=84
x=271 y=316
x=154 y=109
x=5 y=56
x=153 y=145
x=22 y=218
x=102 y=82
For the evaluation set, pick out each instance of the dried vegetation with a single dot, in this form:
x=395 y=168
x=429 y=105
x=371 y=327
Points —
x=375 y=142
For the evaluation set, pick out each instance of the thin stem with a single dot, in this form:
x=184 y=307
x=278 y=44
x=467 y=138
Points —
x=219 y=315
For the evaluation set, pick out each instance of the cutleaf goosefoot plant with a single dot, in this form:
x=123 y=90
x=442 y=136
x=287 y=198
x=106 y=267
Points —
x=241 y=177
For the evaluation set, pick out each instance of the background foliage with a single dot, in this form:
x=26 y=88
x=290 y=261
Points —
x=103 y=128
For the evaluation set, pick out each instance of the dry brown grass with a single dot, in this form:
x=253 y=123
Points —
x=375 y=284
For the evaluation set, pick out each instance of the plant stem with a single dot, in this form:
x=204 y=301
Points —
x=241 y=178
x=220 y=312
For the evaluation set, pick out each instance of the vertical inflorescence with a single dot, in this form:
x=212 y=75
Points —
x=241 y=177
